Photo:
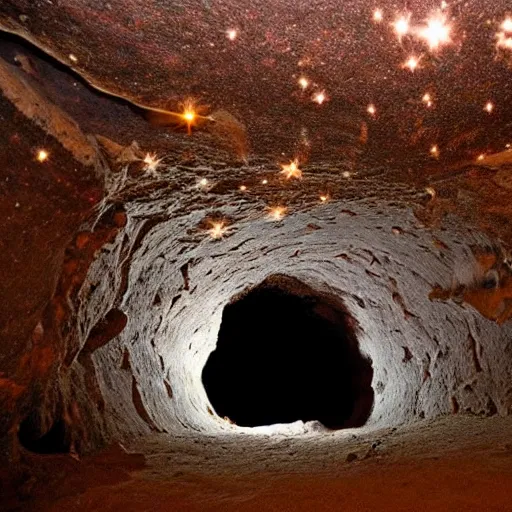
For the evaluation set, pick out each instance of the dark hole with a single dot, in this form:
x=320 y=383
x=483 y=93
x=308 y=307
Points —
x=286 y=353
x=54 y=441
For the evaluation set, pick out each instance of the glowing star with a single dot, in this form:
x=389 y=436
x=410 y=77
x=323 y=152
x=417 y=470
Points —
x=427 y=99
x=264 y=182
x=243 y=188
x=401 y=26
x=232 y=34
x=346 y=174
x=378 y=15
x=304 y=83
x=411 y=63
x=218 y=230
x=324 y=198
x=504 y=41
x=371 y=109
x=319 y=97
x=481 y=157
x=189 y=116
x=489 y=107
x=434 y=151
x=151 y=163
x=203 y=182
x=277 y=213
x=291 y=170
x=42 y=155
x=436 y=32
x=506 y=26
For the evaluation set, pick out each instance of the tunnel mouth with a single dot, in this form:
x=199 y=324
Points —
x=286 y=352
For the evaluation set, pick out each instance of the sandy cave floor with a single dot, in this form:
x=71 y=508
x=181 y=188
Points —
x=456 y=463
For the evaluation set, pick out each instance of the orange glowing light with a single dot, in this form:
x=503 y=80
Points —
x=427 y=99
x=489 y=107
x=372 y=110
x=324 y=198
x=264 y=182
x=243 y=188
x=277 y=212
x=481 y=157
x=189 y=116
x=291 y=170
x=436 y=32
x=42 y=155
x=434 y=151
x=218 y=230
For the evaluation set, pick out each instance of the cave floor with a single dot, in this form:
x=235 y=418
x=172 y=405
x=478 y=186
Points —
x=459 y=463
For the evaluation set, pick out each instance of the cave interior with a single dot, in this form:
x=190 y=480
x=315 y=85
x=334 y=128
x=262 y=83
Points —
x=255 y=255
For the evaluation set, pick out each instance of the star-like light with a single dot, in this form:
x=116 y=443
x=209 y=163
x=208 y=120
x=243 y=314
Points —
x=303 y=83
x=189 y=115
x=481 y=157
x=372 y=110
x=232 y=34
x=291 y=170
x=427 y=99
x=277 y=212
x=504 y=41
x=42 y=155
x=264 y=182
x=243 y=188
x=319 y=97
x=411 y=63
x=324 y=198
x=218 y=230
x=436 y=32
x=73 y=58
x=203 y=182
x=506 y=26
x=489 y=107
x=402 y=26
x=434 y=151
x=151 y=163
x=378 y=15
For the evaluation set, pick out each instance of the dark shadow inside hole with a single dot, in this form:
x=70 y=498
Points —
x=53 y=441
x=286 y=353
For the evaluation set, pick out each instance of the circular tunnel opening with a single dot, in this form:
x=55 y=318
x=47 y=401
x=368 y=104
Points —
x=285 y=353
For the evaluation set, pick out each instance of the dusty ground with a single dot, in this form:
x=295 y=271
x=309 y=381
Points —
x=456 y=464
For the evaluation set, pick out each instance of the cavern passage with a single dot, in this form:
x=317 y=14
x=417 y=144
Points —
x=255 y=255
x=286 y=354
